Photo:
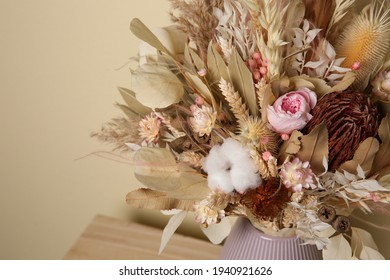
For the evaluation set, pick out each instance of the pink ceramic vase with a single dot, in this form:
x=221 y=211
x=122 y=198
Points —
x=245 y=242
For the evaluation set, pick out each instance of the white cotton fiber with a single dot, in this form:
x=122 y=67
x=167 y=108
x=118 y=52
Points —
x=230 y=167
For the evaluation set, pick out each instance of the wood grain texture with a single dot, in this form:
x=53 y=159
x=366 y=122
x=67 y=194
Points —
x=107 y=238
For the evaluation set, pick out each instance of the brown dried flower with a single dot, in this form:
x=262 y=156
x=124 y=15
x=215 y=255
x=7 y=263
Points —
x=267 y=201
x=350 y=119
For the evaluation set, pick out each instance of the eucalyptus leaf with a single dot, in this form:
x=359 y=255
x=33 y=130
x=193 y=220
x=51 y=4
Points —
x=369 y=253
x=157 y=169
x=142 y=32
x=156 y=86
x=150 y=199
x=315 y=147
x=174 y=222
x=241 y=78
x=132 y=103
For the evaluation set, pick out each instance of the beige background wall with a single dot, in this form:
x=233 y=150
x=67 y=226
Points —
x=58 y=80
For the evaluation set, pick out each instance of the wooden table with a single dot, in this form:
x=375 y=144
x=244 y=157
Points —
x=112 y=239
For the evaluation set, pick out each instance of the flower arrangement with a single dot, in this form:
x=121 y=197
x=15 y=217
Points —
x=269 y=109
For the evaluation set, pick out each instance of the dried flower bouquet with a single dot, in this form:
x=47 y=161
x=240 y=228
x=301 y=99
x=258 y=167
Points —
x=272 y=110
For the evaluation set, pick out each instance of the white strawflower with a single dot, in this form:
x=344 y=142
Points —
x=206 y=215
x=230 y=167
x=296 y=175
x=203 y=119
x=149 y=128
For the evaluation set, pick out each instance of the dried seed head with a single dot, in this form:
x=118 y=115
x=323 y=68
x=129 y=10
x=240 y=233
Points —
x=341 y=224
x=327 y=214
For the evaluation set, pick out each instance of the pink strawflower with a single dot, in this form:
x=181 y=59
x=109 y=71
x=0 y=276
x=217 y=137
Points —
x=296 y=175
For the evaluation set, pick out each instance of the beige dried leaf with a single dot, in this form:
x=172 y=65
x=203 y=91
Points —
x=155 y=86
x=216 y=67
x=338 y=249
x=290 y=147
x=314 y=147
x=150 y=199
x=216 y=233
x=157 y=169
x=142 y=32
x=241 y=78
x=382 y=158
x=364 y=156
x=132 y=103
x=174 y=222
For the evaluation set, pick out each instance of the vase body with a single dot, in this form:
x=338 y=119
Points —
x=245 y=242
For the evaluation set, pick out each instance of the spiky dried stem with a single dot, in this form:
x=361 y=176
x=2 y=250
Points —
x=234 y=100
x=119 y=131
x=260 y=163
x=196 y=19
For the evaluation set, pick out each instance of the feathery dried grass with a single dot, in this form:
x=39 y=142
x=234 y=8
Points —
x=367 y=41
x=196 y=19
x=119 y=131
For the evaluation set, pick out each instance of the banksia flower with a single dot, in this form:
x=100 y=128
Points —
x=367 y=41
x=350 y=119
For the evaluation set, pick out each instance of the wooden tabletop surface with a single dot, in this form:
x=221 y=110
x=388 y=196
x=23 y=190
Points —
x=108 y=238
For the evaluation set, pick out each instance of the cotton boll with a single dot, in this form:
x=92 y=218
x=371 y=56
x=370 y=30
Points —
x=230 y=167
x=220 y=181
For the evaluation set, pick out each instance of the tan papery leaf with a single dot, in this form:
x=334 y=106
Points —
x=268 y=99
x=382 y=158
x=150 y=199
x=364 y=156
x=203 y=90
x=155 y=86
x=157 y=169
x=216 y=67
x=216 y=233
x=290 y=147
x=370 y=254
x=338 y=249
x=361 y=238
x=241 y=78
x=197 y=61
x=174 y=222
x=314 y=147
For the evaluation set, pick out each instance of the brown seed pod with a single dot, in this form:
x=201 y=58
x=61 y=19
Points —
x=341 y=224
x=327 y=214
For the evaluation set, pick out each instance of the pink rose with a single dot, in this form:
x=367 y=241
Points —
x=291 y=111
